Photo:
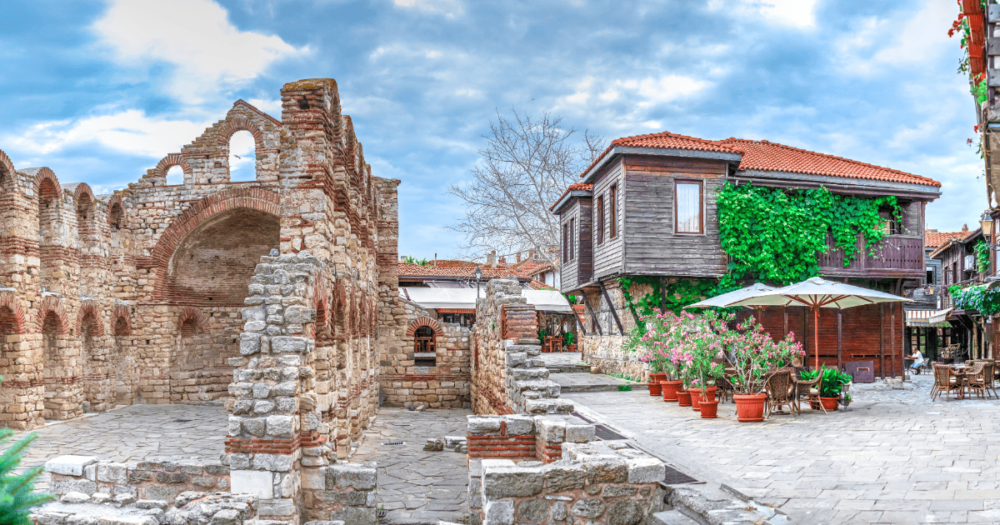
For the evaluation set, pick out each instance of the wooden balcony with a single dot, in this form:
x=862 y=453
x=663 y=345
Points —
x=895 y=256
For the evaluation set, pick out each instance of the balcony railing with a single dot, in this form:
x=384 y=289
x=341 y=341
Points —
x=894 y=254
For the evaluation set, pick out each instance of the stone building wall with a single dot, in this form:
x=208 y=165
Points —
x=603 y=347
x=136 y=297
x=508 y=374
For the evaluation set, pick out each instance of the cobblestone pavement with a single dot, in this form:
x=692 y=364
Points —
x=893 y=457
x=417 y=486
x=135 y=433
x=557 y=359
x=590 y=382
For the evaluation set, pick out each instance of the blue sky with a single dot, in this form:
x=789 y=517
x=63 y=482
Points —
x=100 y=92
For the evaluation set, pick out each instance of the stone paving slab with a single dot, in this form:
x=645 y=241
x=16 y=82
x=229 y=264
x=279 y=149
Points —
x=893 y=457
x=566 y=362
x=134 y=433
x=417 y=486
x=570 y=382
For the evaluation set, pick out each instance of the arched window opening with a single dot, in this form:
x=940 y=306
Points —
x=115 y=217
x=242 y=157
x=85 y=217
x=48 y=212
x=121 y=327
x=175 y=176
x=8 y=324
x=188 y=328
x=424 y=347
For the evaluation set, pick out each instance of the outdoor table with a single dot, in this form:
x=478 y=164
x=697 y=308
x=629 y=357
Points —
x=962 y=370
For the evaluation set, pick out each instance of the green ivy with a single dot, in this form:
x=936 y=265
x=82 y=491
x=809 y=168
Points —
x=979 y=298
x=982 y=256
x=774 y=235
x=771 y=235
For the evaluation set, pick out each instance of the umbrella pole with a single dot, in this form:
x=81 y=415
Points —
x=816 y=334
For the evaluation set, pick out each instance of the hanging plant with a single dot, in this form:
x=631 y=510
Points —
x=982 y=256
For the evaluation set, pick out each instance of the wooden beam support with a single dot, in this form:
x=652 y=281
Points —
x=593 y=316
x=611 y=306
x=579 y=323
x=784 y=315
x=840 y=339
x=881 y=339
x=892 y=338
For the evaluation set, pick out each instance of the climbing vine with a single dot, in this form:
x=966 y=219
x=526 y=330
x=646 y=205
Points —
x=775 y=236
x=979 y=298
x=982 y=256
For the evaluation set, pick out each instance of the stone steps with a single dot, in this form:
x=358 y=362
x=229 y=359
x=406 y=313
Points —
x=672 y=517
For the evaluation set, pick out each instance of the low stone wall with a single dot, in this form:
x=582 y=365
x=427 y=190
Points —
x=342 y=492
x=148 y=480
x=605 y=352
x=523 y=437
x=218 y=508
x=595 y=483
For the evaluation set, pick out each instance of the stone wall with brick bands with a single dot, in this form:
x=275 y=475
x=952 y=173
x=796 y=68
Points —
x=150 y=480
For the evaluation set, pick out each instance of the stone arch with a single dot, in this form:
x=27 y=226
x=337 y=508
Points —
x=171 y=160
x=239 y=123
x=424 y=321
x=123 y=320
x=191 y=316
x=116 y=213
x=52 y=304
x=89 y=307
x=53 y=191
x=322 y=306
x=7 y=174
x=12 y=316
x=250 y=198
x=85 y=205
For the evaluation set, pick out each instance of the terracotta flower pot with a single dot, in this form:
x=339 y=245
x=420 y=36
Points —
x=976 y=51
x=683 y=398
x=709 y=409
x=708 y=394
x=829 y=403
x=695 y=399
x=971 y=6
x=749 y=407
x=670 y=390
x=654 y=385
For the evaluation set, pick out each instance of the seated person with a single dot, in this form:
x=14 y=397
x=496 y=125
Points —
x=918 y=361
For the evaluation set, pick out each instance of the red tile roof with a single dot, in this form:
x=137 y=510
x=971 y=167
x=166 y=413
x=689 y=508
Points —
x=771 y=156
x=456 y=271
x=574 y=186
x=934 y=238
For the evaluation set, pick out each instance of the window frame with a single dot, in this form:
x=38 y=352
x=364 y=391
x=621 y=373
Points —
x=701 y=205
x=613 y=210
x=572 y=238
x=600 y=219
x=565 y=239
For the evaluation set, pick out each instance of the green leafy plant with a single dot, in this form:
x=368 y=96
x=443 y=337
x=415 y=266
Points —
x=542 y=333
x=755 y=356
x=17 y=491
x=982 y=256
x=774 y=235
x=414 y=260
x=624 y=388
x=833 y=382
x=977 y=297
x=808 y=375
x=568 y=338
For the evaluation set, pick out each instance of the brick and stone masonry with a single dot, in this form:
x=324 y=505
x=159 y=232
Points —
x=135 y=297
x=508 y=374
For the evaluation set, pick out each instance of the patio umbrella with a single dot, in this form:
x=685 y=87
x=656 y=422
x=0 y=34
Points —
x=726 y=299
x=819 y=293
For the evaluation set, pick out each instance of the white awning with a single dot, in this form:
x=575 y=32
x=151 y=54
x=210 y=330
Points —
x=465 y=298
x=928 y=318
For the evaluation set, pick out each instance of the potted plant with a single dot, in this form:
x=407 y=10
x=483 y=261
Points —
x=755 y=356
x=569 y=341
x=654 y=340
x=829 y=392
x=654 y=378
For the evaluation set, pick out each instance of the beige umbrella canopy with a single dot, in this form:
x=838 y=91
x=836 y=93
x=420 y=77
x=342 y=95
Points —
x=726 y=299
x=816 y=293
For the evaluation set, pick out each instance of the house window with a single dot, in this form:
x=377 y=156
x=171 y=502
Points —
x=600 y=219
x=890 y=224
x=565 y=251
x=688 y=200
x=572 y=239
x=613 y=196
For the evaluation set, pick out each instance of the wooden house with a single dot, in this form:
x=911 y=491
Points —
x=648 y=207
x=968 y=335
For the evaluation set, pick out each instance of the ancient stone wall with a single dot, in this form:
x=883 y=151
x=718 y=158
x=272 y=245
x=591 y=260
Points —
x=136 y=297
x=592 y=482
x=508 y=376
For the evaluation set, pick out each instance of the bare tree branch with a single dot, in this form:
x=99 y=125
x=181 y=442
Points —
x=526 y=165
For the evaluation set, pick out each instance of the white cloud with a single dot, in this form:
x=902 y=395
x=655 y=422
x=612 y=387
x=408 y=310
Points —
x=448 y=8
x=271 y=107
x=208 y=53
x=643 y=93
x=796 y=13
x=242 y=158
x=920 y=39
x=128 y=131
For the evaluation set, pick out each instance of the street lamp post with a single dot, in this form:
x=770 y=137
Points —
x=479 y=274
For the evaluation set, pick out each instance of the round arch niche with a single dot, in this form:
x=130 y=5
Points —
x=213 y=265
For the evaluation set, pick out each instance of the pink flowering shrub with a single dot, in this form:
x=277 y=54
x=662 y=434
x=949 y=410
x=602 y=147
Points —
x=756 y=356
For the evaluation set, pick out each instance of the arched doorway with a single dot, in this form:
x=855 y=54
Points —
x=208 y=277
x=424 y=347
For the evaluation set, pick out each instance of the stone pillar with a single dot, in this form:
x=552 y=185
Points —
x=275 y=429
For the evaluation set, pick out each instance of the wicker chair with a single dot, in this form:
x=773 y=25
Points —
x=780 y=392
x=946 y=380
x=976 y=379
x=725 y=386
x=808 y=390
x=990 y=376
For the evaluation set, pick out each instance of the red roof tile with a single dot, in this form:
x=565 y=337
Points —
x=574 y=186
x=771 y=156
x=663 y=140
x=464 y=271
x=934 y=238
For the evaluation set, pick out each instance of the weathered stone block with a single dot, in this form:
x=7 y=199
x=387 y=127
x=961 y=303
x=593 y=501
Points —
x=69 y=465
